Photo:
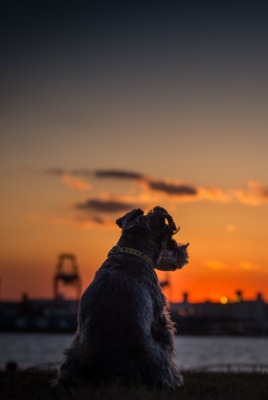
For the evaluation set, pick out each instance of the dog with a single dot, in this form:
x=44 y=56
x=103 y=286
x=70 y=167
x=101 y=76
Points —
x=125 y=334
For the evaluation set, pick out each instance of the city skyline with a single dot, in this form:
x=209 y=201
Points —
x=107 y=107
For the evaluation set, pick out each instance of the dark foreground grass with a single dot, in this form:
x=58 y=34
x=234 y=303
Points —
x=32 y=385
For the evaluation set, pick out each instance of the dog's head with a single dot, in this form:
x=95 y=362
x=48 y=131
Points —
x=158 y=227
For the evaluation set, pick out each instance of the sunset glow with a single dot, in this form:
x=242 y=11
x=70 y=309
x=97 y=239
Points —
x=111 y=110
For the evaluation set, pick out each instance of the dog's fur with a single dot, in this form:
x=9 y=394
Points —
x=125 y=334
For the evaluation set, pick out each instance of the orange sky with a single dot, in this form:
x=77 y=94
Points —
x=107 y=109
x=49 y=214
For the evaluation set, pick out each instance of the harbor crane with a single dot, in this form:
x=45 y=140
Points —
x=67 y=276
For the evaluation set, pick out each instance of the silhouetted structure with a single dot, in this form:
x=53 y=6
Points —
x=239 y=296
x=238 y=317
x=246 y=318
x=70 y=278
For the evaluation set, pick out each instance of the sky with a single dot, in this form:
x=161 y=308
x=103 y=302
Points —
x=110 y=105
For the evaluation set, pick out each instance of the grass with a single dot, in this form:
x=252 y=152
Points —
x=35 y=385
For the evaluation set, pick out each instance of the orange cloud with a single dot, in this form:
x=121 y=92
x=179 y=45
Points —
x=176 y=191
x=75 y=183
x=163 y=189
x=157 y=189
x=101 y=205
x=256 y=194
x=213 y=194
x=85 y=223
x=249 y=266
x=144 y=192
x=215 y=265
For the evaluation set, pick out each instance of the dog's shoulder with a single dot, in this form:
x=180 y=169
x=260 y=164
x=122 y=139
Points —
x=115 y=287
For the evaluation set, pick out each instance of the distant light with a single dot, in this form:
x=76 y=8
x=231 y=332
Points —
x=224 y=300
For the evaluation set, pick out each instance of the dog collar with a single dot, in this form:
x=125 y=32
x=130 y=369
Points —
x=129 y=250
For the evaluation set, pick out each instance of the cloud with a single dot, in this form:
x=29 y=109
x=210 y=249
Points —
x=255 y=195
x=165 y=186
x=175 y=190
x=144 y=192
x=75 y=183
x=118 y=174
x=170 y=188
x=85 y=223
x=98 y=173
x=70 y=179
x=150 y=189
x=178 y=191
x=106 y=206
x=249 y=266
x=213 y=194
x=215 y=265
x=62 y=171
x=55 y=171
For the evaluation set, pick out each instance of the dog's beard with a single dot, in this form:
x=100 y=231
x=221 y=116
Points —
x=173 y=259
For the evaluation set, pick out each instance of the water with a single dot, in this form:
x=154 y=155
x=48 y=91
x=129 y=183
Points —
x=194 y=352
x=29 y=349
x=37 y=349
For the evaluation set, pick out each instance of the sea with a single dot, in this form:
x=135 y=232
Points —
x=192 y=352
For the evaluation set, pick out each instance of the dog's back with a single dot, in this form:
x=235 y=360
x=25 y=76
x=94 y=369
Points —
x=116 y=316
x=124 y=329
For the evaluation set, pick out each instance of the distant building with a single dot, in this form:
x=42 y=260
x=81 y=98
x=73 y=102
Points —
x=38 y=315
x=241 y=317
x=232 y=318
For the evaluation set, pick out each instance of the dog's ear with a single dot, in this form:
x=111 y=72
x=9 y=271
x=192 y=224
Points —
x=128 y=218
x=157 y=221
x=173 y=257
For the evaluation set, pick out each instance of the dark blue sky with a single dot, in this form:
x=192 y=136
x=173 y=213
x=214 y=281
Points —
x=154 y=33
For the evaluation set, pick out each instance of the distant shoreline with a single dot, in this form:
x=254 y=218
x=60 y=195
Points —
x=242 y=318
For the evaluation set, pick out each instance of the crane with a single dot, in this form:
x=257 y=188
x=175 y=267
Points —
x=69 y=277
